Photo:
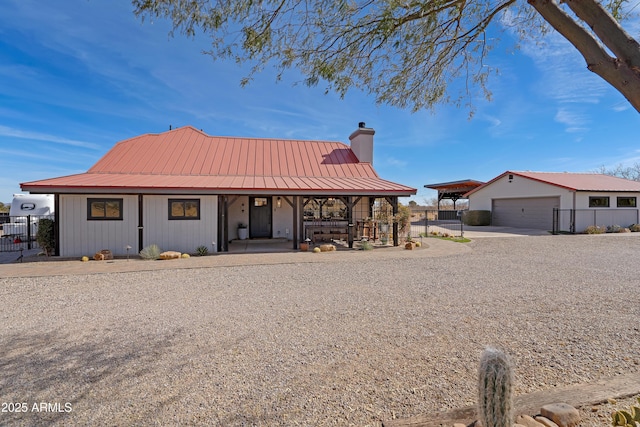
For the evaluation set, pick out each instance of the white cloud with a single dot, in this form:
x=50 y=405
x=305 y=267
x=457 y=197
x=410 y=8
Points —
x=37 y=136
x=392 y=161
x=572 y=119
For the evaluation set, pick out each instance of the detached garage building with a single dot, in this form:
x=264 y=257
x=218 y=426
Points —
x=572 y=200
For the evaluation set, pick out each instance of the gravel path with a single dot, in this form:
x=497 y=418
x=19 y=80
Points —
x=350 y=340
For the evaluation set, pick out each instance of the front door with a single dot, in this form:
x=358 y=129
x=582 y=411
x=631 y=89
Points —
x=259 y=217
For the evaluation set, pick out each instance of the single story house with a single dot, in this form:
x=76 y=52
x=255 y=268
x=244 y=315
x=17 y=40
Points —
x=183 y=189
x=558 y=201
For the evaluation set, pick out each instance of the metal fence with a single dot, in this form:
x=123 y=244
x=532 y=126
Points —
x=577 y=220
x=438 y=222
x=19 y=232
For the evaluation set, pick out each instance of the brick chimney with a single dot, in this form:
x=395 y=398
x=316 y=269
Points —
x=362 y=143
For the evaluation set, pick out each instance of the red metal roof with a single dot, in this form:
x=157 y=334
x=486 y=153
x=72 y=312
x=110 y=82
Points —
x=574 y=181
x=186 y=159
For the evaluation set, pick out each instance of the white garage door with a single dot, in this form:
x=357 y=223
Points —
x=530 y=212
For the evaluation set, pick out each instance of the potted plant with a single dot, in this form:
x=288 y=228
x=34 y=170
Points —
x=304 y=246
x=242 y=231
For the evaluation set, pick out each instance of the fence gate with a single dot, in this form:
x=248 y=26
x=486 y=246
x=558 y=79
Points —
x=439 y=223
x=19 y=232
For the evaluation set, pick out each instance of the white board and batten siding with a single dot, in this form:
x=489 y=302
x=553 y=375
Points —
x=180 y=235
x=81 y=237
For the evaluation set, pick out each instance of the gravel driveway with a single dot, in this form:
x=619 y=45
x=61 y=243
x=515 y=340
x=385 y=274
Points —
x=352 y=339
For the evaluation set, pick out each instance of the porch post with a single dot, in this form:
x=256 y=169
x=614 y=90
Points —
x=223 y=225
x=56 y=223
x=296 y=222
x=394 y=205
x=140 y=223
x=350 y=224
x=300 y=224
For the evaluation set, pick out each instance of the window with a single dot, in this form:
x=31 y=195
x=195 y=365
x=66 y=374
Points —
x=598 y=202
x=184 y=208
x=260 y=201
x=627 y=202
x=104 y=209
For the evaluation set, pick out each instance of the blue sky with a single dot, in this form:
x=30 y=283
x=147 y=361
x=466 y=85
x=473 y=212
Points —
x=77 y=76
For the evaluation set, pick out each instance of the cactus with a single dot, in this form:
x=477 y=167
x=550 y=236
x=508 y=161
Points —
x=495 y=381
x=627 y=418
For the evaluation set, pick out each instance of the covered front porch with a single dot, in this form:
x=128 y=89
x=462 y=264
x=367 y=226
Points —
x=313 y=218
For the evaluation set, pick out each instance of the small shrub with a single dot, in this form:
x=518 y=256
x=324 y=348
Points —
x=477 y=217
x=45 y=235
x=634 y=227
x=151 y=252
x=202 y=250
x=85 y=258
x=317 y=250
x=594 y=229
x=366 y=245
x=418 y=244
x=185 y=256
x=613 y=228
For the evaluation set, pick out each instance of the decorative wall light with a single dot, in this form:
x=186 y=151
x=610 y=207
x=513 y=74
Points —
x=279 y=202
x=510 y=177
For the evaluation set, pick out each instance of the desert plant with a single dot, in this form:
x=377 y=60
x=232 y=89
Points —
x=495 y=384
x=477 y=217
x=627 y=418
x=202 y=250
x=594 y=229
x=365 y=245
x=634 y=227
x=613 y=228
x=45 y=235
x=151 y=252
x=403 y=217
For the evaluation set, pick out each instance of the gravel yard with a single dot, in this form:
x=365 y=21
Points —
x=348 y=339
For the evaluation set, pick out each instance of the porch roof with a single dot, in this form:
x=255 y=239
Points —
x=243 y=184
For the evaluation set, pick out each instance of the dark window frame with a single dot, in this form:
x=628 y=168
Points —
x=173 y=217
x=594 y=204
x=105 y=200
x=634 y=204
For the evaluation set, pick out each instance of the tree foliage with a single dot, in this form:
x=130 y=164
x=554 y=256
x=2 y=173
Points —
x=45 y=236
x=627 y=172
x=407 y=53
